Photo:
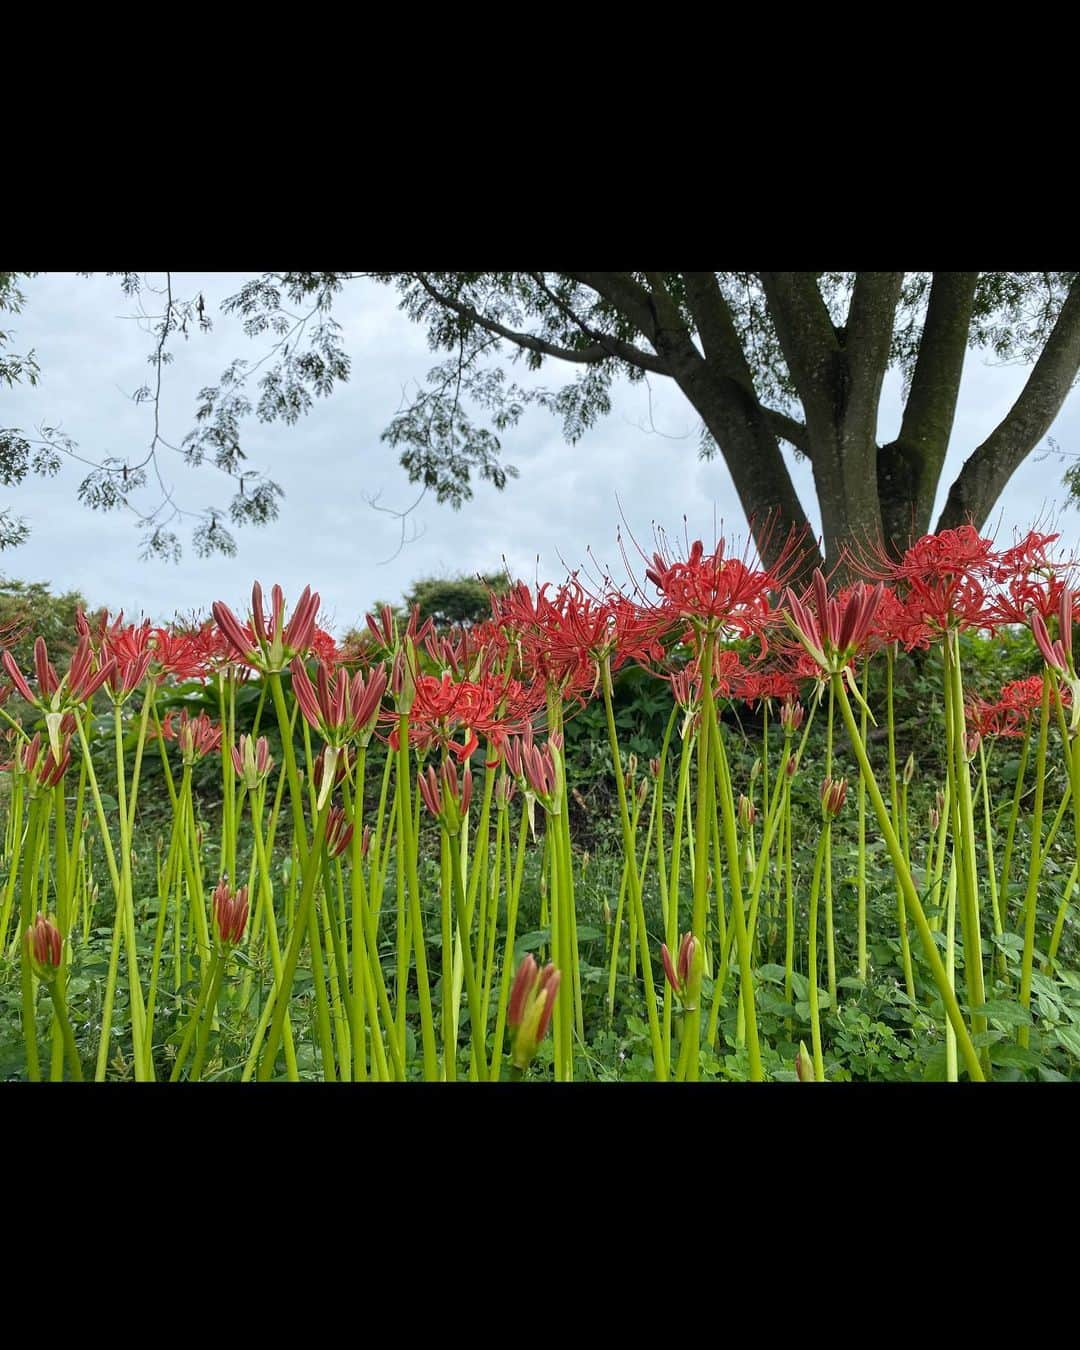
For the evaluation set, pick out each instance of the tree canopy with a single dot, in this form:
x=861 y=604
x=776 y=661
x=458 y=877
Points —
x=764 y=358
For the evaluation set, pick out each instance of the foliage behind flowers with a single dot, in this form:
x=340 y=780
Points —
x=259 y=854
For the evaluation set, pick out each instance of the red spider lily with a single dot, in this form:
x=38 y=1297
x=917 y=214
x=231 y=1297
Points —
x=833 y=793
x=1025 y=696
x=1028 y=555
x=442 y=796
x=945 y=577
x=995 y=719
x=251 y=760
x=536 y=627
x=340 y=708
x=756 y=686
x=181 y=652
x=574 y=624
x=723 y=593
x=339 y=832
x=832 y=632
x=528 y=1013
x=897 y=621
x=270 y=644
x=45 y=948
x=230 y=914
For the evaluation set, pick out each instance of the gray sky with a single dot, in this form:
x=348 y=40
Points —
x=93 y=354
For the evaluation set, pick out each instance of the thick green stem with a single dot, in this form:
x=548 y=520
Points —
x=911 y=895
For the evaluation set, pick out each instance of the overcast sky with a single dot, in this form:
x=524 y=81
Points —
x=93 y=354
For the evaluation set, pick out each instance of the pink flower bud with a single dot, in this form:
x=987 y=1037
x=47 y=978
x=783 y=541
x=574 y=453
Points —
x=230 y=913
x=833 y=793
x=45 y=947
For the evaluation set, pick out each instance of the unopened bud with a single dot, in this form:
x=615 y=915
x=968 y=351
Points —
x=45 y=947
x=935 y=819
x=747 y=813
x=909 y=769
x=654 y=766
x=804 y=1064
x=532 y=1001
x=833 y=793
x=230 y=913
x=755 y=772
x=684 y=973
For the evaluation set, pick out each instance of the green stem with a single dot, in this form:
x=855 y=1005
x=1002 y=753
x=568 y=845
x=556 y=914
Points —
x=911 y=895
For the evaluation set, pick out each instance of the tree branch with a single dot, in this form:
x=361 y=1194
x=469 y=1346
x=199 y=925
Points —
x=625 y=351
x=867 y=339
x=586 y=356
x=910 y=466
x=788 y=429
x=985 y=472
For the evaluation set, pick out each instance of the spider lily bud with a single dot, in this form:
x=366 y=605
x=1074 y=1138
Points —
x=44 y=946
x=971 y=744
x=804 y=1064
x=684 y=974
x=935 y=819
x=230 y=914
x=909 y=769
x=755 y=772
x=251 y=760
x=791 y=765
x=197 y=736
x=654 y=767
x=339 y=832
x=403 y=677
x=833 y=792
x=747 y=813
x=270 y=648
x=442 y=796
x=791 y=717
x=532 y=1001
x=642 y=792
